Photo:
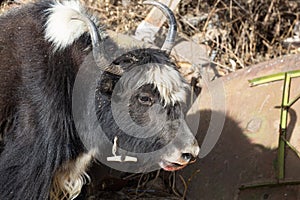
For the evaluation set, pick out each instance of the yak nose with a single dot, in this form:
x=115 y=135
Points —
x=186 y=157
x=190 y=152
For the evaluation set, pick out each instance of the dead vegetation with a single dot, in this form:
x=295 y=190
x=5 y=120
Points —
x=156 y=185
x=239 y=33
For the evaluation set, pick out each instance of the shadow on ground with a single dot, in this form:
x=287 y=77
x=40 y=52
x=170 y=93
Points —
x=235 y=162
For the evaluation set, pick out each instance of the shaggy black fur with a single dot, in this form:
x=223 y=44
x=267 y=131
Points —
x=35 y=104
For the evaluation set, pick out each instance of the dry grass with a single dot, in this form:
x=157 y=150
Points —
x=240 y=33
x=118 y=17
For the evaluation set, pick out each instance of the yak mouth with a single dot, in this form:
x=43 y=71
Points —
x=174 y=166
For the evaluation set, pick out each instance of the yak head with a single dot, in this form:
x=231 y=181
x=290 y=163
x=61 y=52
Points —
x=140 y=106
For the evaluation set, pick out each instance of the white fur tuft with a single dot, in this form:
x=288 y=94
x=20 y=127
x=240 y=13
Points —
x=61 y=29
x=169 y=83
x=69 y=178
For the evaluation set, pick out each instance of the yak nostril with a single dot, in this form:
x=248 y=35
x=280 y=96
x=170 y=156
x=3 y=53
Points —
x=186 y=156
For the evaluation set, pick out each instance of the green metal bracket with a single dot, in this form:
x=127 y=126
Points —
x=285 y=105
x=273 y=77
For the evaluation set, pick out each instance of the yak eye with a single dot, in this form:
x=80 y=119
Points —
x=145 y=99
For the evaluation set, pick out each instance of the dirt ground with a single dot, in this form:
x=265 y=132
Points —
x=239 y=34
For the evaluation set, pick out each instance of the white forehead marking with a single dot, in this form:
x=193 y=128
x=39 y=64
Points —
x=170 y=84
x=60 y=28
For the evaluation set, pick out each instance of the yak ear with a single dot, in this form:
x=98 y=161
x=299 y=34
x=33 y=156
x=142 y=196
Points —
x=106 y=86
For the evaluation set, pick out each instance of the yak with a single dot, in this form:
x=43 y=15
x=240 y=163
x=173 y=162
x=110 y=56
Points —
x=139 y=101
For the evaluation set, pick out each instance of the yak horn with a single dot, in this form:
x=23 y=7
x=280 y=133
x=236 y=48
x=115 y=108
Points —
x=170 y=39
x=98 y=48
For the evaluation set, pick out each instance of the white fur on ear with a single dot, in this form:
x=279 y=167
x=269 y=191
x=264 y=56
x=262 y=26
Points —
x=171 y=86
x=61 y=29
